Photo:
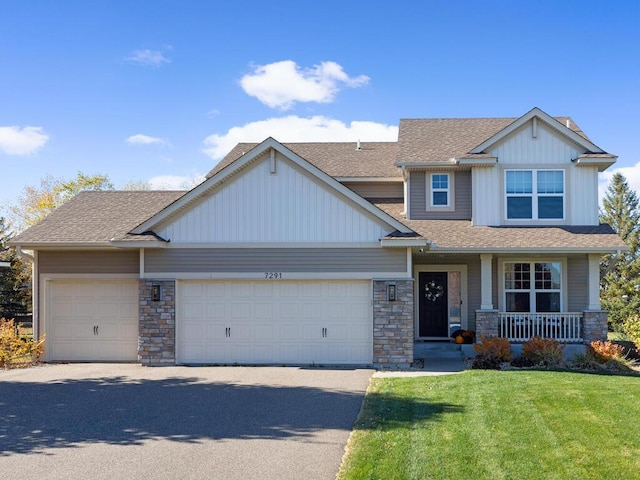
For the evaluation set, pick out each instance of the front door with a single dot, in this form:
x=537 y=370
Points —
x=433 y=304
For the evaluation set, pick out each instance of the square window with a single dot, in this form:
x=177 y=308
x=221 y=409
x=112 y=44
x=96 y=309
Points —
x=440 y=181
x=548 y=302
x=550 y=207
x=518 y=302
x=519 y=181
x=550 y=181
x=519 y=207
x=440 y=198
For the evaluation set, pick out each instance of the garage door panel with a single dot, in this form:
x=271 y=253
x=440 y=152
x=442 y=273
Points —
x=277 y=322
x=92 y=320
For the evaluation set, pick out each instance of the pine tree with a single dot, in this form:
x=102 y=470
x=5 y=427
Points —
x=620 y=292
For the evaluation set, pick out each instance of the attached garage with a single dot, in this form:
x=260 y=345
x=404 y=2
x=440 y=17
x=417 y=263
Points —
x=275 y=322
x=92 y=320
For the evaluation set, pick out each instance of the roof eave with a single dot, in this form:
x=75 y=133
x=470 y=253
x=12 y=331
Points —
x=404 y=242
x=528 y=250
x=601 y=163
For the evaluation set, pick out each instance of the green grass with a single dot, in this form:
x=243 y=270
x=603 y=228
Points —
x=498 y=425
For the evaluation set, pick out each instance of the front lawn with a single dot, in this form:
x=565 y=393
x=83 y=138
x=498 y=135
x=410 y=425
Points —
x=498 y=425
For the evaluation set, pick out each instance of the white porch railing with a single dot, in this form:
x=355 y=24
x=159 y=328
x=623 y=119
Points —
x=561 y=326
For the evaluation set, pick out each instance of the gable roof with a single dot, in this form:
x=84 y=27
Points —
x=96 y=218
x=338 y=159
x=442 y=139
x=194 y=195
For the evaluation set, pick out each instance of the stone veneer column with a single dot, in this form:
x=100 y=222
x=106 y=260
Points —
x=487 y=323
x=594 y=325
x=157 y=324
x=393 y=325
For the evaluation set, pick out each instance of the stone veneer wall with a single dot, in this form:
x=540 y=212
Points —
x=393 y=325
x=594 y=326
x=157 y=324
x=487 y=323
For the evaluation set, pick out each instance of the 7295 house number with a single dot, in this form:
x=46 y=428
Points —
x=272 y=275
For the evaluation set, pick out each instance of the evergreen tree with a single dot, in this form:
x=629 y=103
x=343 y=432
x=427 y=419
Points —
x=14 y=283
x=620 y=292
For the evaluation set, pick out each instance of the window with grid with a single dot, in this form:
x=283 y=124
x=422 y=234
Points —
x=534 y=194
x=440 y=190
x=532 y=286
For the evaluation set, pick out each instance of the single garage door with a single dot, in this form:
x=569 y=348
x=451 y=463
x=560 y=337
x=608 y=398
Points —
x=91 y=320
x=266 y=322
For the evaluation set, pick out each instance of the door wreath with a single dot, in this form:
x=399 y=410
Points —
x=433 y=291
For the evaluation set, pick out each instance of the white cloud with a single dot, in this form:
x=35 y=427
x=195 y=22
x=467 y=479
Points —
x=632 y=174
x=175 y=182
x=298 y=129
x=141 y=139
x=22 y=141
x=148 y=58
x=281 y=84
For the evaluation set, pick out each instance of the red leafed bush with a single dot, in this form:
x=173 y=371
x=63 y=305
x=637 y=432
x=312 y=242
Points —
x=543 y=351
x=606 y=350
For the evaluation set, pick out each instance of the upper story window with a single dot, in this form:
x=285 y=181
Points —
x=534 y=194
x=532 y=286
x=440 y=190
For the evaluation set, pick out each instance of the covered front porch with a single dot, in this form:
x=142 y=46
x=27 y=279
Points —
x=516 y=296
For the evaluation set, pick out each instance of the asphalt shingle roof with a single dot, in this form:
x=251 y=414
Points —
x=340 y=159
x=97 y=217
x=439 y=139
x=461 y=234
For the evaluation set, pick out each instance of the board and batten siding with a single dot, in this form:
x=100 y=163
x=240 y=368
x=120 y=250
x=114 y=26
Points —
x=87 y=262
x=244 y=260
x=418 y=197
x=377 y=189
x=549 y=149
x=286 y=206
x=577 y=283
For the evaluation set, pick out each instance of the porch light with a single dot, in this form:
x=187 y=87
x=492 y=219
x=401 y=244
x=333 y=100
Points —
x=156 y=293
x=391 y=293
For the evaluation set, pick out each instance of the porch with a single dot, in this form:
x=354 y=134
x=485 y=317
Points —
x=520 y=327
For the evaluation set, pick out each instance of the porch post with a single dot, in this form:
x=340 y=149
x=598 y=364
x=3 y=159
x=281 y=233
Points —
x=486 y=289
x=594 y=282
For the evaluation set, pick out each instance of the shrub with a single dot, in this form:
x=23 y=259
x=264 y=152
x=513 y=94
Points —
x=17 y=350
x=631 y=327
x=494 y=347
x=605 y=350
x=486 y=362
x=543 y=351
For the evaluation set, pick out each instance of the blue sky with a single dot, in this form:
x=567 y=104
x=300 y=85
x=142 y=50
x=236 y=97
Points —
x=158 y=91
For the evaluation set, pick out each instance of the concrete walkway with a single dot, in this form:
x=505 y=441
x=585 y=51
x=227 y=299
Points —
x=432 y=367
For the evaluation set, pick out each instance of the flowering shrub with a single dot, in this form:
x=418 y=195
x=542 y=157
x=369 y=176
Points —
x=494 y=347
x=17 y=350
x=543 y=351
x=606 y=350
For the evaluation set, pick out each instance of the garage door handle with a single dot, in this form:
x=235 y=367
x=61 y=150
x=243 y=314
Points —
x=227 y=332
x=95 y=329
x=324 y=333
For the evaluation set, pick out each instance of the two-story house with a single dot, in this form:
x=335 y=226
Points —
x=335 y=253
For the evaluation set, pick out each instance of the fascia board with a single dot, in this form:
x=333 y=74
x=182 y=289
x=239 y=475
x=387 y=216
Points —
x=54 y=245
x=441 y=163
x=601 y=163
x=536 y=112
x=141 y=244
x=390 y=242
x=479 y=162
x=530 y=250
x=369 y=179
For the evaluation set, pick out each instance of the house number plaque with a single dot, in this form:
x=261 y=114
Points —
x=272 y=275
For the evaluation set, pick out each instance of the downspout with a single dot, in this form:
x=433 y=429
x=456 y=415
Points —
x=613 y=263
x=35 y=317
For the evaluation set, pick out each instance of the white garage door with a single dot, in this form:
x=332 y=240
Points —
x=92 y=320
x=301 y=322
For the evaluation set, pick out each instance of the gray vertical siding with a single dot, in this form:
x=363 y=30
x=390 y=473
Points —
x=89 y=261
x=377 y=189
x=418 y=198
x=239 y=260
x=578 y=283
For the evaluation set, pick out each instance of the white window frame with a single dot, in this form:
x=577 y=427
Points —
x=449 y=207
x=532 y=290
x=534 y=195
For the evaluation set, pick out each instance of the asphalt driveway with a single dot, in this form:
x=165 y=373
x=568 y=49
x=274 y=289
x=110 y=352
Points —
x=107 y=421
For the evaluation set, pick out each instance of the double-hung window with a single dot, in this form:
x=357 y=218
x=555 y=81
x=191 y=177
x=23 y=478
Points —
x=533 y=286
x=440 y=191
x=534 y=194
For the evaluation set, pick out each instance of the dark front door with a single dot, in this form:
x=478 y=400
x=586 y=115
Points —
x=433 y=304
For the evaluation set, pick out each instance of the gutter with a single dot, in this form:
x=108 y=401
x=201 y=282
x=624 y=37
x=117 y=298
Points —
x=22 y=254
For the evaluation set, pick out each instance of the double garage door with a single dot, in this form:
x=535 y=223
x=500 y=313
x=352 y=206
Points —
x=91 y=320
x=254 y=322
x=275 y=322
